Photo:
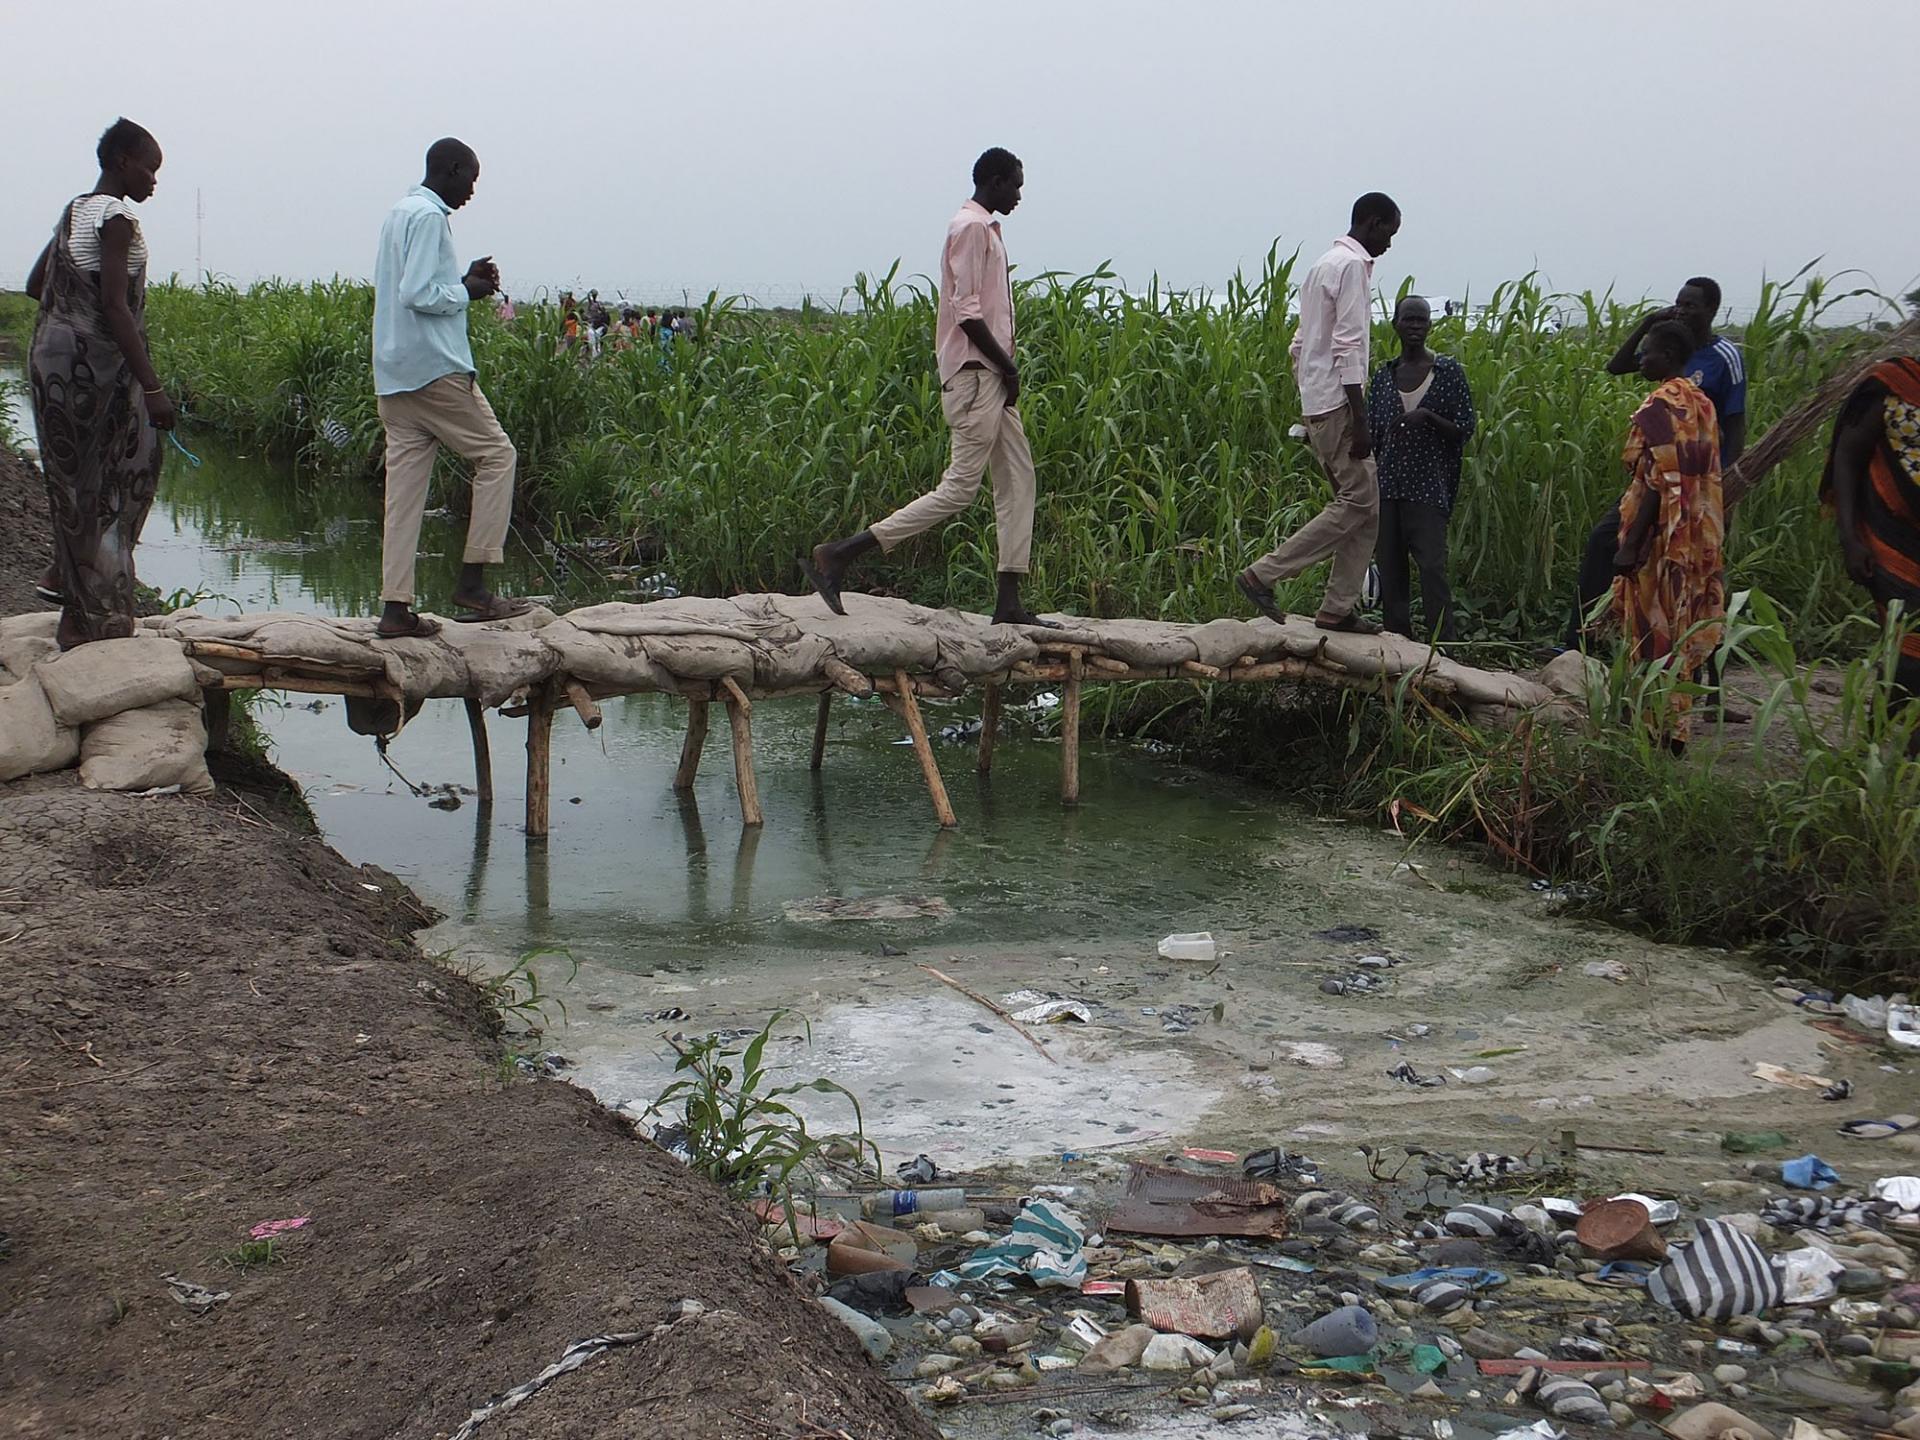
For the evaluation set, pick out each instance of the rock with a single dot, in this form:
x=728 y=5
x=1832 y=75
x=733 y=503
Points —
x=1484 y=1344
x=1853 y=1345
x=1457 y=1252
x=1230 y=1412
x=871 y=1334
x=1729 y=1374
x=944 y=1391
x=1223 y=1367
x=1859 y=1280
x=1009 y=1379
x=966 y=1345
x=1614 y=1390
x=1622 y=1413
x=1428 y=1391
x=1711 y=1421
x=1123 y=1348
x=935 y=1366
x=1909 y=1428
x=1174 y=1352
x=1061 y=1426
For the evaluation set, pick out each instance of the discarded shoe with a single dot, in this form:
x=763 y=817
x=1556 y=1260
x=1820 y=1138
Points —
x=1880 y=1129
x=917 y=1171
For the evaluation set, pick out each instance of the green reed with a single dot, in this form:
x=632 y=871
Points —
x=1159 y=424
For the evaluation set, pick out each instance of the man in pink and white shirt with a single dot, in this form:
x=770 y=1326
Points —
x=1330 y=365
x=979 y=393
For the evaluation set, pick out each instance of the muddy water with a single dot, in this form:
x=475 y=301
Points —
x=683 y=921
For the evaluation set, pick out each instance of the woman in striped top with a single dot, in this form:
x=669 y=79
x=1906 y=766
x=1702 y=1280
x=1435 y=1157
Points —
x=97 y=403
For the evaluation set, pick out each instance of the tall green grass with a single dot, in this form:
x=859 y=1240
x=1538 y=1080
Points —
x=1159 y=424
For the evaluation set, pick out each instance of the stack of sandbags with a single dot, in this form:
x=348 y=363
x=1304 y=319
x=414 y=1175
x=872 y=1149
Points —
x=136 y=705
x=31 y=738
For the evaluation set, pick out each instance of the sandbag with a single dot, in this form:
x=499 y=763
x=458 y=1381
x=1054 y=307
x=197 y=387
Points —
x=93 y=681
x=31 y=739
x=26 y=640
x=144 y=749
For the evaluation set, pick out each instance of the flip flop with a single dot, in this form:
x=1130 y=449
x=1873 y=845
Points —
x=1879 y=1129
x=821 y=587
x=499 y=607
x=421 y=629
x=52 y=597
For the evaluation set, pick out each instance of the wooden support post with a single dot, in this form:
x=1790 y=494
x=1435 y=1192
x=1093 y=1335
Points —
x=820 y=721
x=989 y=727
x=695 y=742
x=903 y=704
x=539 y=759
x=218 y=705
x=583 y=705
x=740 y=718
x=482 y=752
x=1070 y=732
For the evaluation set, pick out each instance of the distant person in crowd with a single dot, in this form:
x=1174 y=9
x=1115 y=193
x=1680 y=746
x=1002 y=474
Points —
x=429 y=395
x=1330 y=365
x=1872 y=480
x=97 y=404
x=1717 y=368
x=1670 y=589
x=569 y=321
x=1419 y=418
x=973 y=340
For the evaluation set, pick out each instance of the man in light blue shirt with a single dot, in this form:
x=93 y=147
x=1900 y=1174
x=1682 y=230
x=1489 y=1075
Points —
x=428 y=396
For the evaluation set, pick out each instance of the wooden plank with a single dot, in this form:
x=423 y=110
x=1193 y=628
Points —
x=989 y=728
x=1205 y=672
x=1070 y=732
x=695 y=742
x=539 y=761
x=482 y=751
x=582 y=703
x=821 y=719
x=307 y=685
x=740 y=721
x=901 y=700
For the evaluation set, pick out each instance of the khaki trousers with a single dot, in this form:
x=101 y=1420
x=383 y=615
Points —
x=450 y=412
x=1345 y=529
x=987 y=434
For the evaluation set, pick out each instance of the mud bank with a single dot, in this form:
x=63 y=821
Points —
x=213 y=1021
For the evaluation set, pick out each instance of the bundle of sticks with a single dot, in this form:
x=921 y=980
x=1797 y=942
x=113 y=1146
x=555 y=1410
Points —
x=1792 y=429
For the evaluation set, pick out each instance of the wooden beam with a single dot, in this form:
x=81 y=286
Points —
x=1070 y=731
x=482 y=751
x=583 y=705
x=307 y=685
x=845 y=677
x=695 y=742
x=822 y=717
x=989 y=727
x=901 y=701
x=1109 y=664
x=1204 y=671
x=539 y=760
x=740 y=721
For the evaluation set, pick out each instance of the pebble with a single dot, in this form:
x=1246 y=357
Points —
x=1622 y=1413
x=1738 y=1392
x=1694 y=1347
x=1903 y=1317
x=1062 y=1426
x=1729 y=1374
x=1230 y=1412
x=965 y=1345
x=936 y=1365
x=1772 y=1334
x=1853 y=1345
x=1006 y=1380
x=1614 y=1390
x=1858 y=1280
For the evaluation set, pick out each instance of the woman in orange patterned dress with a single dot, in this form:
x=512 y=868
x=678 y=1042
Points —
x=1873 y=483
x=1670 y=588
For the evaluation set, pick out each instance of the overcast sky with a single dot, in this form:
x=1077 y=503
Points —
x=775 y=148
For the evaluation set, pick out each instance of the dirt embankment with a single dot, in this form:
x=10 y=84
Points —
x=211 y=1020
x=26 y=534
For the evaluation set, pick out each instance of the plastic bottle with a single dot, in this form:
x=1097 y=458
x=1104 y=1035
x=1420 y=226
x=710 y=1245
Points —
x=888 y=1204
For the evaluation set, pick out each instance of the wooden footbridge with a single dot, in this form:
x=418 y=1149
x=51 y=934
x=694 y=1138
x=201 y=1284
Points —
x=752 y=648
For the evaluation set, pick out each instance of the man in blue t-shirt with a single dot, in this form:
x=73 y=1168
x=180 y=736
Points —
x=1716 y=367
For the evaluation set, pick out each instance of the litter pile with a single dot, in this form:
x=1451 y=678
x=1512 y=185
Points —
x=1489 y=1292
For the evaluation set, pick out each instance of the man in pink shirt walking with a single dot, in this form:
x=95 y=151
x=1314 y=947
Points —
x=1330 y=364
x=979 y=392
